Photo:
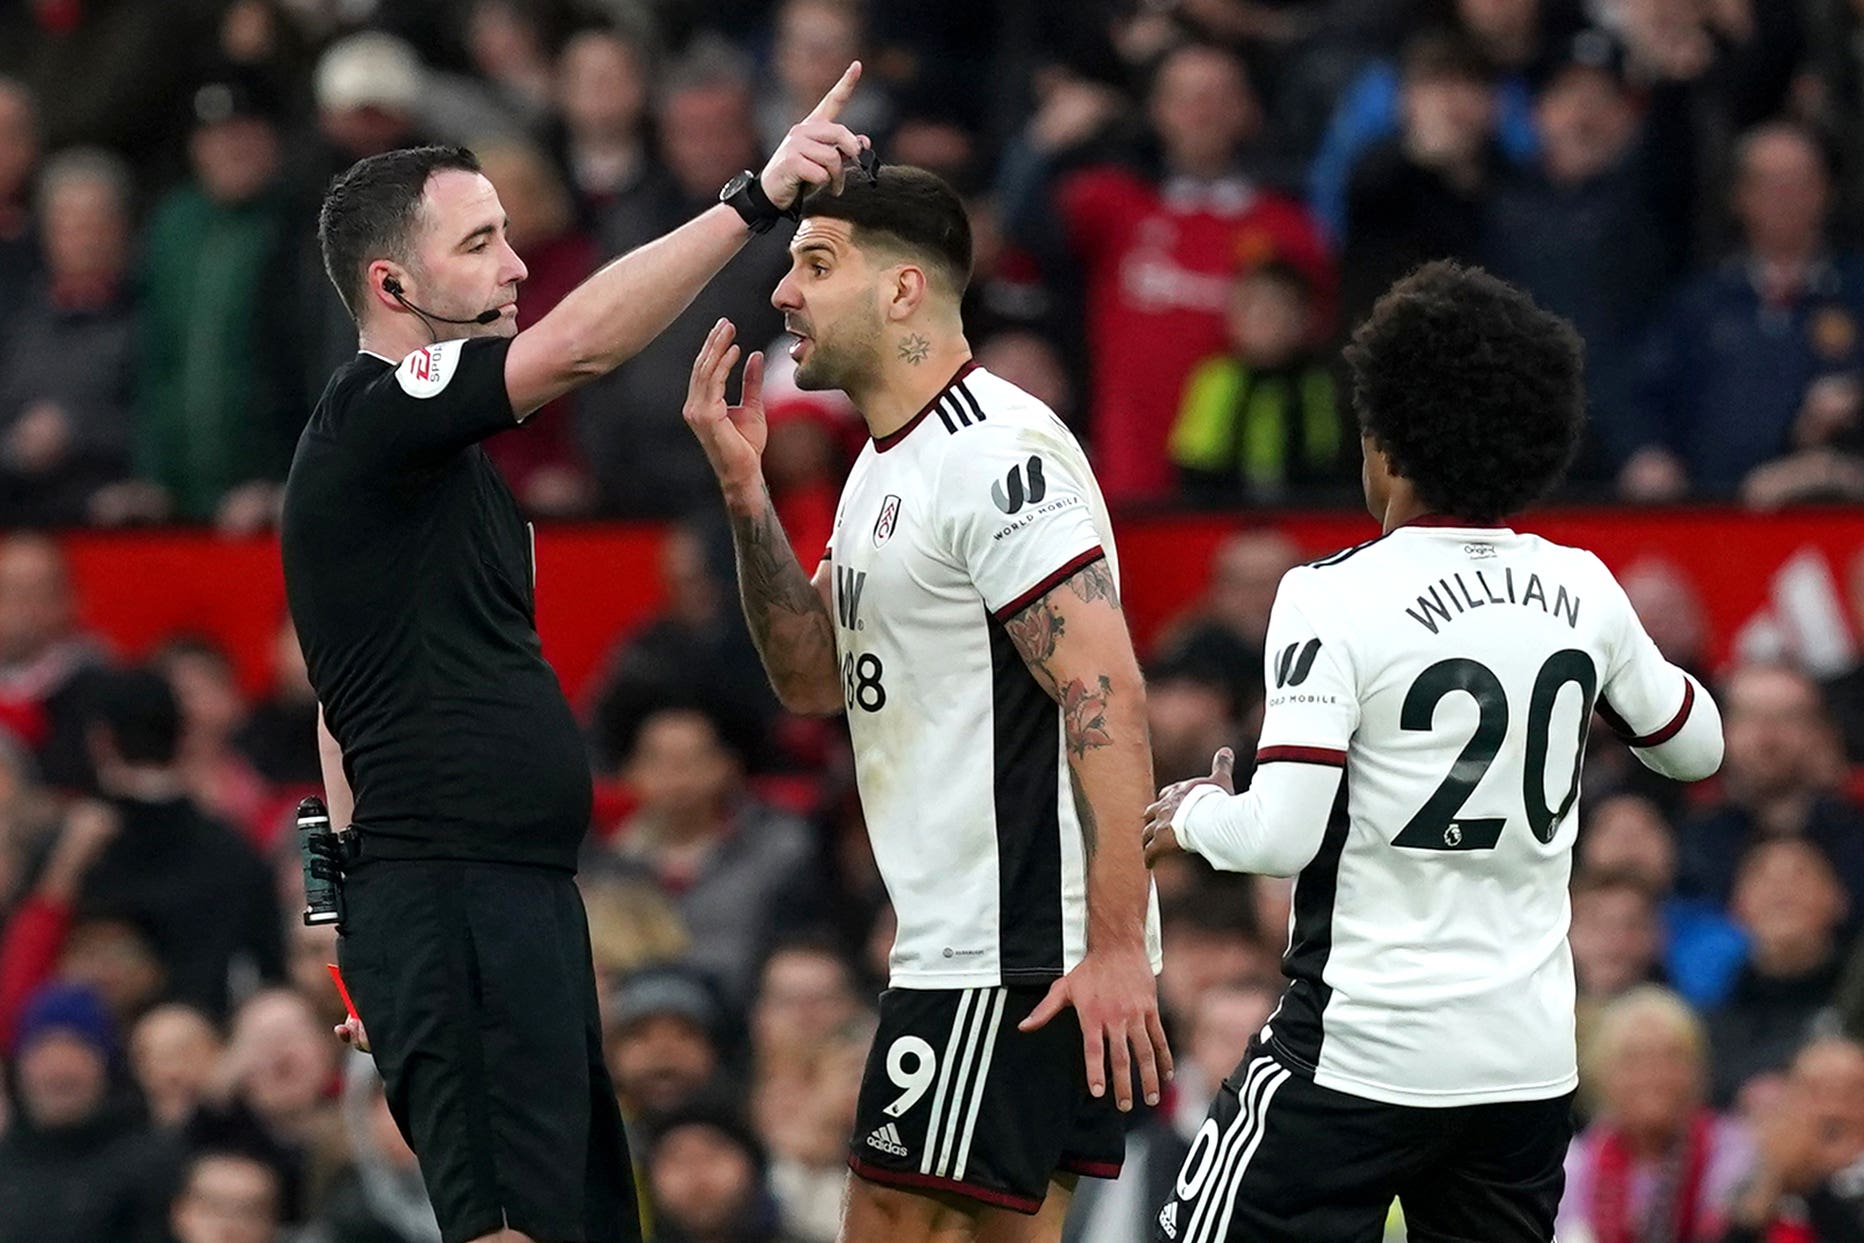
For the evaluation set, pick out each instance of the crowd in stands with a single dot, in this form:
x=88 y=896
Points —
x=1181 y=209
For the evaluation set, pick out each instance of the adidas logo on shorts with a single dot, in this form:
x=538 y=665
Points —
x=887 y=1140
x=1168 y=1220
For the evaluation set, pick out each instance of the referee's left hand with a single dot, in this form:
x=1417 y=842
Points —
x=1116 y=997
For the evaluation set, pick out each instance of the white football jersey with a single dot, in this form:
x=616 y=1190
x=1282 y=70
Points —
x=1452 y=672
x=947 y=528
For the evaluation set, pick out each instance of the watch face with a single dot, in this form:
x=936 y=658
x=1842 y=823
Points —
x=735 y=185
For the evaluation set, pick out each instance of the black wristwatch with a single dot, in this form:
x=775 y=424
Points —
x=745 y=194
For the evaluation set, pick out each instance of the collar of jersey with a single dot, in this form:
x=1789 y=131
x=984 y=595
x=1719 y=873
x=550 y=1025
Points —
x=1444 y=520
x=883 y=443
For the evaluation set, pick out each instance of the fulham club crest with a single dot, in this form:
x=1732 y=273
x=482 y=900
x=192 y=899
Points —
x=889 y=518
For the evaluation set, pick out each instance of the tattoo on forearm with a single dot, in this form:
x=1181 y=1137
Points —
x=1084 y=715
x=793 y=632
x=1035 y=631
x=914 y=348
x=1084 y=812
x=1095 y=582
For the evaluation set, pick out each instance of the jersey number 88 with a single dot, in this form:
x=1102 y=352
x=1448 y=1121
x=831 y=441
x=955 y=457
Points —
x=860 y=682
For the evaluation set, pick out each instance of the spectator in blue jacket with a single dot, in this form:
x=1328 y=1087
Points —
x=1727 y=374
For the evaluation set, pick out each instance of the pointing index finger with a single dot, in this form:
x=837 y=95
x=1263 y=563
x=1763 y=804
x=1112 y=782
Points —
x=838 y=94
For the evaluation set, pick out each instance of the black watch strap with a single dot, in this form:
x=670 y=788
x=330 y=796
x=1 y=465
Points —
x=750 y=202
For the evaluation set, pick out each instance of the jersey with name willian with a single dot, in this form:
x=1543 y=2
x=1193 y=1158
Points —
x=948 y=528
x=1452 y=672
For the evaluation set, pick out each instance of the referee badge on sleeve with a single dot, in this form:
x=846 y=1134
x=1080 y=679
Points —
x=426 y=372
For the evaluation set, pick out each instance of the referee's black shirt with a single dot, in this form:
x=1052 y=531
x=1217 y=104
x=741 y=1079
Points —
x=410 y=577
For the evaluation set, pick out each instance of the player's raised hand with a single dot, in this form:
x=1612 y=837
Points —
x=1160 y=839
x=816 y=149
x=1115 y=996
x=733 y=436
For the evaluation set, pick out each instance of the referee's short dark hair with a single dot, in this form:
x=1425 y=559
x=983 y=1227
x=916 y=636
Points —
x=908 y=209
x=1475 y=394
x=369 y=212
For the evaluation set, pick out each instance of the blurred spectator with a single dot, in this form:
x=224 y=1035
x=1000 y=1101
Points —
x=1774 y=784
x=220 y=778
x=1227 y=1018
x=697 y=648
x=1260 y=420
x=1809 y=1144
x=646 y=461
x=739 y=870
x=804 y=1121
x=510 y=48
x=805 y=1000
x=707 y=1174
x=1214 y=942
x=1790 y=904
x=48 y=663
x=380 y=1197
x=1626 y=834
x=1844 y=694
x=1598 y=227
x=67 y=366
x=38 y=931
x=217 y=430
x=1616 y=938
x=174 y=1054
x=200 y=890
x=662 y=1041
x=1421 y=194
x=1189 y=714
x=539 y=459
x=1669 y=607
x=279 y=1071
x=1655 y=1163
x=228 y=1196
x=1157 y=249
x=75 y=1166
x=19 y=157
x=1728 y=378
x=369 y=94
x=279 y=735
x=1030 y=362
x=1512 y=35
x=106 y=72
x=632 y=926
x=602 y=143
x=815 y=40
x=1223 y=635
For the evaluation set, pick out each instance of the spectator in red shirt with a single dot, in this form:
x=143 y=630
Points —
x=1158 y=250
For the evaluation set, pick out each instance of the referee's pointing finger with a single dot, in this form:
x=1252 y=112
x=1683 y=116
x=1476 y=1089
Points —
x=838 y=94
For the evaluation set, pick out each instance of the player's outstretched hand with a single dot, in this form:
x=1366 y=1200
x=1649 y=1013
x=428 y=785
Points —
x=1160 y=838
x=1114 y=994
x=817 y=148
x=733 y=436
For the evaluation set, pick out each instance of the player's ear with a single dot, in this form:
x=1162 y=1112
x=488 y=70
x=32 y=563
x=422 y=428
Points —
x=908 y=289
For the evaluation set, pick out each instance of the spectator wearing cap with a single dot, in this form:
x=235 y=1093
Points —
x=192 y=881
x=1156 y=247
x=1741 y=367
x=708 y=1178
x=75 y=1165
x=662 y=1040
x=740 y=871
x=1599 y=225
x=216 y=427
x=1420 y=194
x=67 y=362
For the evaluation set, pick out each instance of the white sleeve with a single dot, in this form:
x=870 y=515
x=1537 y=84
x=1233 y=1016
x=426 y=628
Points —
x=1275 y=827
x=1014 y=511
x=1663 y=713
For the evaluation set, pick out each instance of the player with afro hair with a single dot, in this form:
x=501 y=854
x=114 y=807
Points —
x=1471 y=399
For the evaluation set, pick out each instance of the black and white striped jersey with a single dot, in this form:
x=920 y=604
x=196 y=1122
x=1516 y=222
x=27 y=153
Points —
x=947 y=528
x=1452 y=672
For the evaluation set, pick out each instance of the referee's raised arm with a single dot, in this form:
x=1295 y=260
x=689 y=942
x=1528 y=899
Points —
x=613 y=314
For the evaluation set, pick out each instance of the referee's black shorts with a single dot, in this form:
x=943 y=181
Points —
x=475 y=983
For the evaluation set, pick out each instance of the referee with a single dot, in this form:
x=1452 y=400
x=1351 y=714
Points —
x=411 y=578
